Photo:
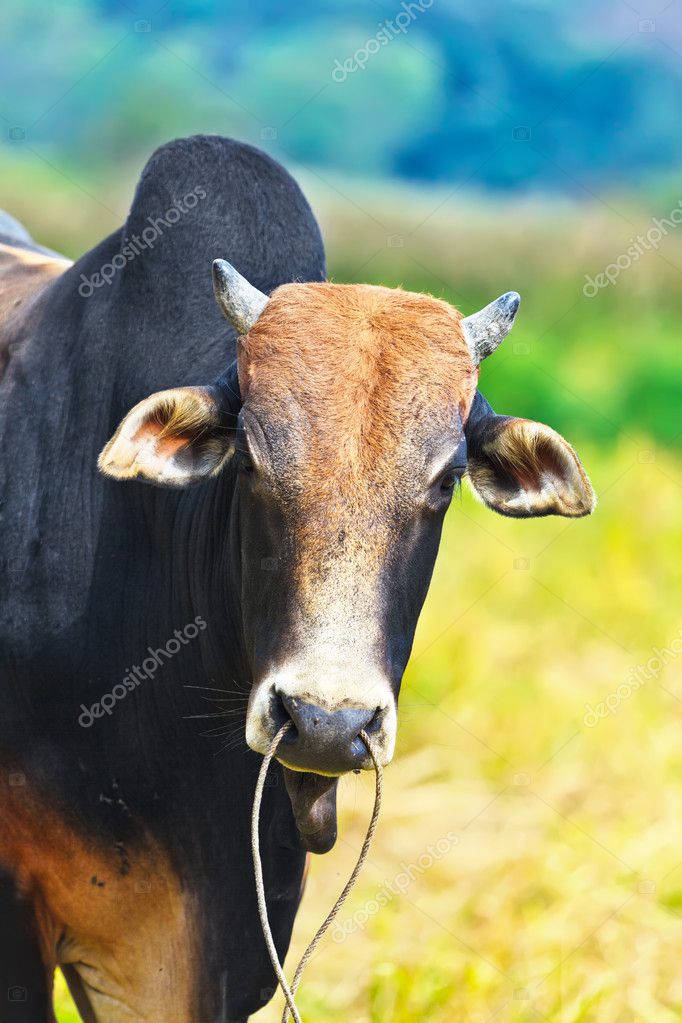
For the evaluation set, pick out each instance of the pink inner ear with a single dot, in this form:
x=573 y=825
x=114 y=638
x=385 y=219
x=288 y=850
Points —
x=546 y=458
x=164 y=447
x=526 y=469
x=527 y=480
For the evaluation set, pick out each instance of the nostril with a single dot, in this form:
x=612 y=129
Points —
x=331 y=738
x=280 y=715
x=375 y=723
x=371 y=727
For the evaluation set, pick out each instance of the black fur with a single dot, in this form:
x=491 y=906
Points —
x=93 y=572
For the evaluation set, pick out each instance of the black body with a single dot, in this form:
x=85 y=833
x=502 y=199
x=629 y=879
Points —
x=93 y=573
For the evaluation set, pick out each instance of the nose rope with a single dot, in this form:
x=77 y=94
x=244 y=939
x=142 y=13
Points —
x=289 y=992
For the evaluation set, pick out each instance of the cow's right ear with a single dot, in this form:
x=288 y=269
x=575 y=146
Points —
x=173 y=438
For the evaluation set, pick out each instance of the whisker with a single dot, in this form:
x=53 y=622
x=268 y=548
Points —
x=243 y=686
x=220 y=730
x=212 y=688
x=230 y=746
x=225 y=699
x=218 y=714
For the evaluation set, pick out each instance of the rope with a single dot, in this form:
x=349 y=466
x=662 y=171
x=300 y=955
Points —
x=289 y=992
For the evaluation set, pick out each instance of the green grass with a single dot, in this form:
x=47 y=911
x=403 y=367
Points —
x=66 y=1010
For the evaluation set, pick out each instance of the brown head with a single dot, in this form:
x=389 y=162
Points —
x=358 y=417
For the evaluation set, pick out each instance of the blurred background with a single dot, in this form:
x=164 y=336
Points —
x=529 y=861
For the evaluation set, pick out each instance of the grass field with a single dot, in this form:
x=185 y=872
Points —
x=530 y=850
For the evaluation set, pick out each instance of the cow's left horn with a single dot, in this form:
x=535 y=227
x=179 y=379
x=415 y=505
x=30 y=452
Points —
x=486 y=329
x=240 y=302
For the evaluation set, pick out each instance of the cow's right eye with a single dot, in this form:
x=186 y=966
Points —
x=244 y=463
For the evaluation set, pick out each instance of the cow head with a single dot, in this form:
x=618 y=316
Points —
x=357 y=417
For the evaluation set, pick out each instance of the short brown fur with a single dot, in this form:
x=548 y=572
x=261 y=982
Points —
x=353 y=382
x=364 y=362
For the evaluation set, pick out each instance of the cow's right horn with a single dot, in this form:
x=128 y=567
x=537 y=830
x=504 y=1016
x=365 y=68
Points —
x=239 y=301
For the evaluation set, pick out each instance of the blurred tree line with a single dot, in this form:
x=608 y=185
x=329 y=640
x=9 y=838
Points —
x=506 y=96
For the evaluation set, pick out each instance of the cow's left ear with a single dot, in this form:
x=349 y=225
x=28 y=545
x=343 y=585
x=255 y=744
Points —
x=523 y=469
x=173 y=438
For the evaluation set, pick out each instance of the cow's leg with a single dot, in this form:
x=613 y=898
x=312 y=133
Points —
x=25 y=977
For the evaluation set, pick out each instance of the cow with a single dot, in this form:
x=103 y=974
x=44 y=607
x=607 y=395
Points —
x=222 y=498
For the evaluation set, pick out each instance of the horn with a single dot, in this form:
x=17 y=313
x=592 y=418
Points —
x=239 y=301
x=487 y=329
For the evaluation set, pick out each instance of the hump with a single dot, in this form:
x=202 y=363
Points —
x=206 y=197
x=141 y=302
x=198 y=199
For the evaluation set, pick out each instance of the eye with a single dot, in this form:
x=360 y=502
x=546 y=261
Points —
x=450 y=479
x=244 y=463
x=242 y=458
